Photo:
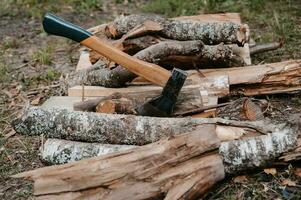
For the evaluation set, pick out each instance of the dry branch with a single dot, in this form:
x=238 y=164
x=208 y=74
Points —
x=265 y=47
x=209 y=33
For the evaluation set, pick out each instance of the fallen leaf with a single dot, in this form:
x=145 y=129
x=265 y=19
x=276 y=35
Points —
x=297 y=172
x=240 y=179
x=271 y=171
x=288 y=182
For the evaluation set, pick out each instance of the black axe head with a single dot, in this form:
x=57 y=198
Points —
x=163 y=105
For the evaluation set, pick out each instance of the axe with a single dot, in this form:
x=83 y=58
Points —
x=171 y=81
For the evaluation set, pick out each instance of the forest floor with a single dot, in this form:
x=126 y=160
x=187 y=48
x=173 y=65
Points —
x=31 y=64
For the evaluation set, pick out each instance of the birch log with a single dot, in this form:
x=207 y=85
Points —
x=55 y=151
x=113 y=128
x=209 y=33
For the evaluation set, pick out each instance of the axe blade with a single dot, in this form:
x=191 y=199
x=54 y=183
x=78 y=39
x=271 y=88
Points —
x=163 y=105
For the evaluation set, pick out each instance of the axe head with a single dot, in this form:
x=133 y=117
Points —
x=163 y=105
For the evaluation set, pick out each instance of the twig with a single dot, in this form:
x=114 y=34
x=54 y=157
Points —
x=265 y=47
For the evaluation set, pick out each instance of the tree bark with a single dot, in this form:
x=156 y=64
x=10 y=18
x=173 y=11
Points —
x=174 y=168
x=113 y=129
x=209 y=33
x=55 y=151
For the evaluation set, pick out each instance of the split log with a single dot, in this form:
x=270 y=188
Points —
x=209 y=33
x=214 y=85
x=55 y=151
x=270 y=78
x=148 y=172
x=113 y=129
x=190 y=97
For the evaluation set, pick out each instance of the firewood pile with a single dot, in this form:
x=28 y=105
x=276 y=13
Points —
x=102 y=147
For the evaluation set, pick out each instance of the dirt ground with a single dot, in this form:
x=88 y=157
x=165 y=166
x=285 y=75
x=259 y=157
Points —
x=31 y=64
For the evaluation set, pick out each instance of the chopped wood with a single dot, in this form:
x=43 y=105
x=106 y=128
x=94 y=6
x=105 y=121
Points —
x=114 y=128
x=209 y=33
x=174 y=168
x=55 y=151
x=193 y=169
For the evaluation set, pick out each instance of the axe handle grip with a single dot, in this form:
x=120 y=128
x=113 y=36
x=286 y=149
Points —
x=57 y=26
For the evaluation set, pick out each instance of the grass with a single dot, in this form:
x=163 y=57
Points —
x=44 y=55
x=36 y=8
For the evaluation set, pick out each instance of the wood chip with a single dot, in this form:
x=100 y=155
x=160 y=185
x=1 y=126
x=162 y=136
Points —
x=271 y=171
x=288 y=182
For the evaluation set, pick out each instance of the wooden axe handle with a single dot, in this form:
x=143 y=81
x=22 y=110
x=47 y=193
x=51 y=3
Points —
x=57 y=26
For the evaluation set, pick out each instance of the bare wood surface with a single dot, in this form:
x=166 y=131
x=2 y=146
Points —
x=269 y=78
x=176 y=167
